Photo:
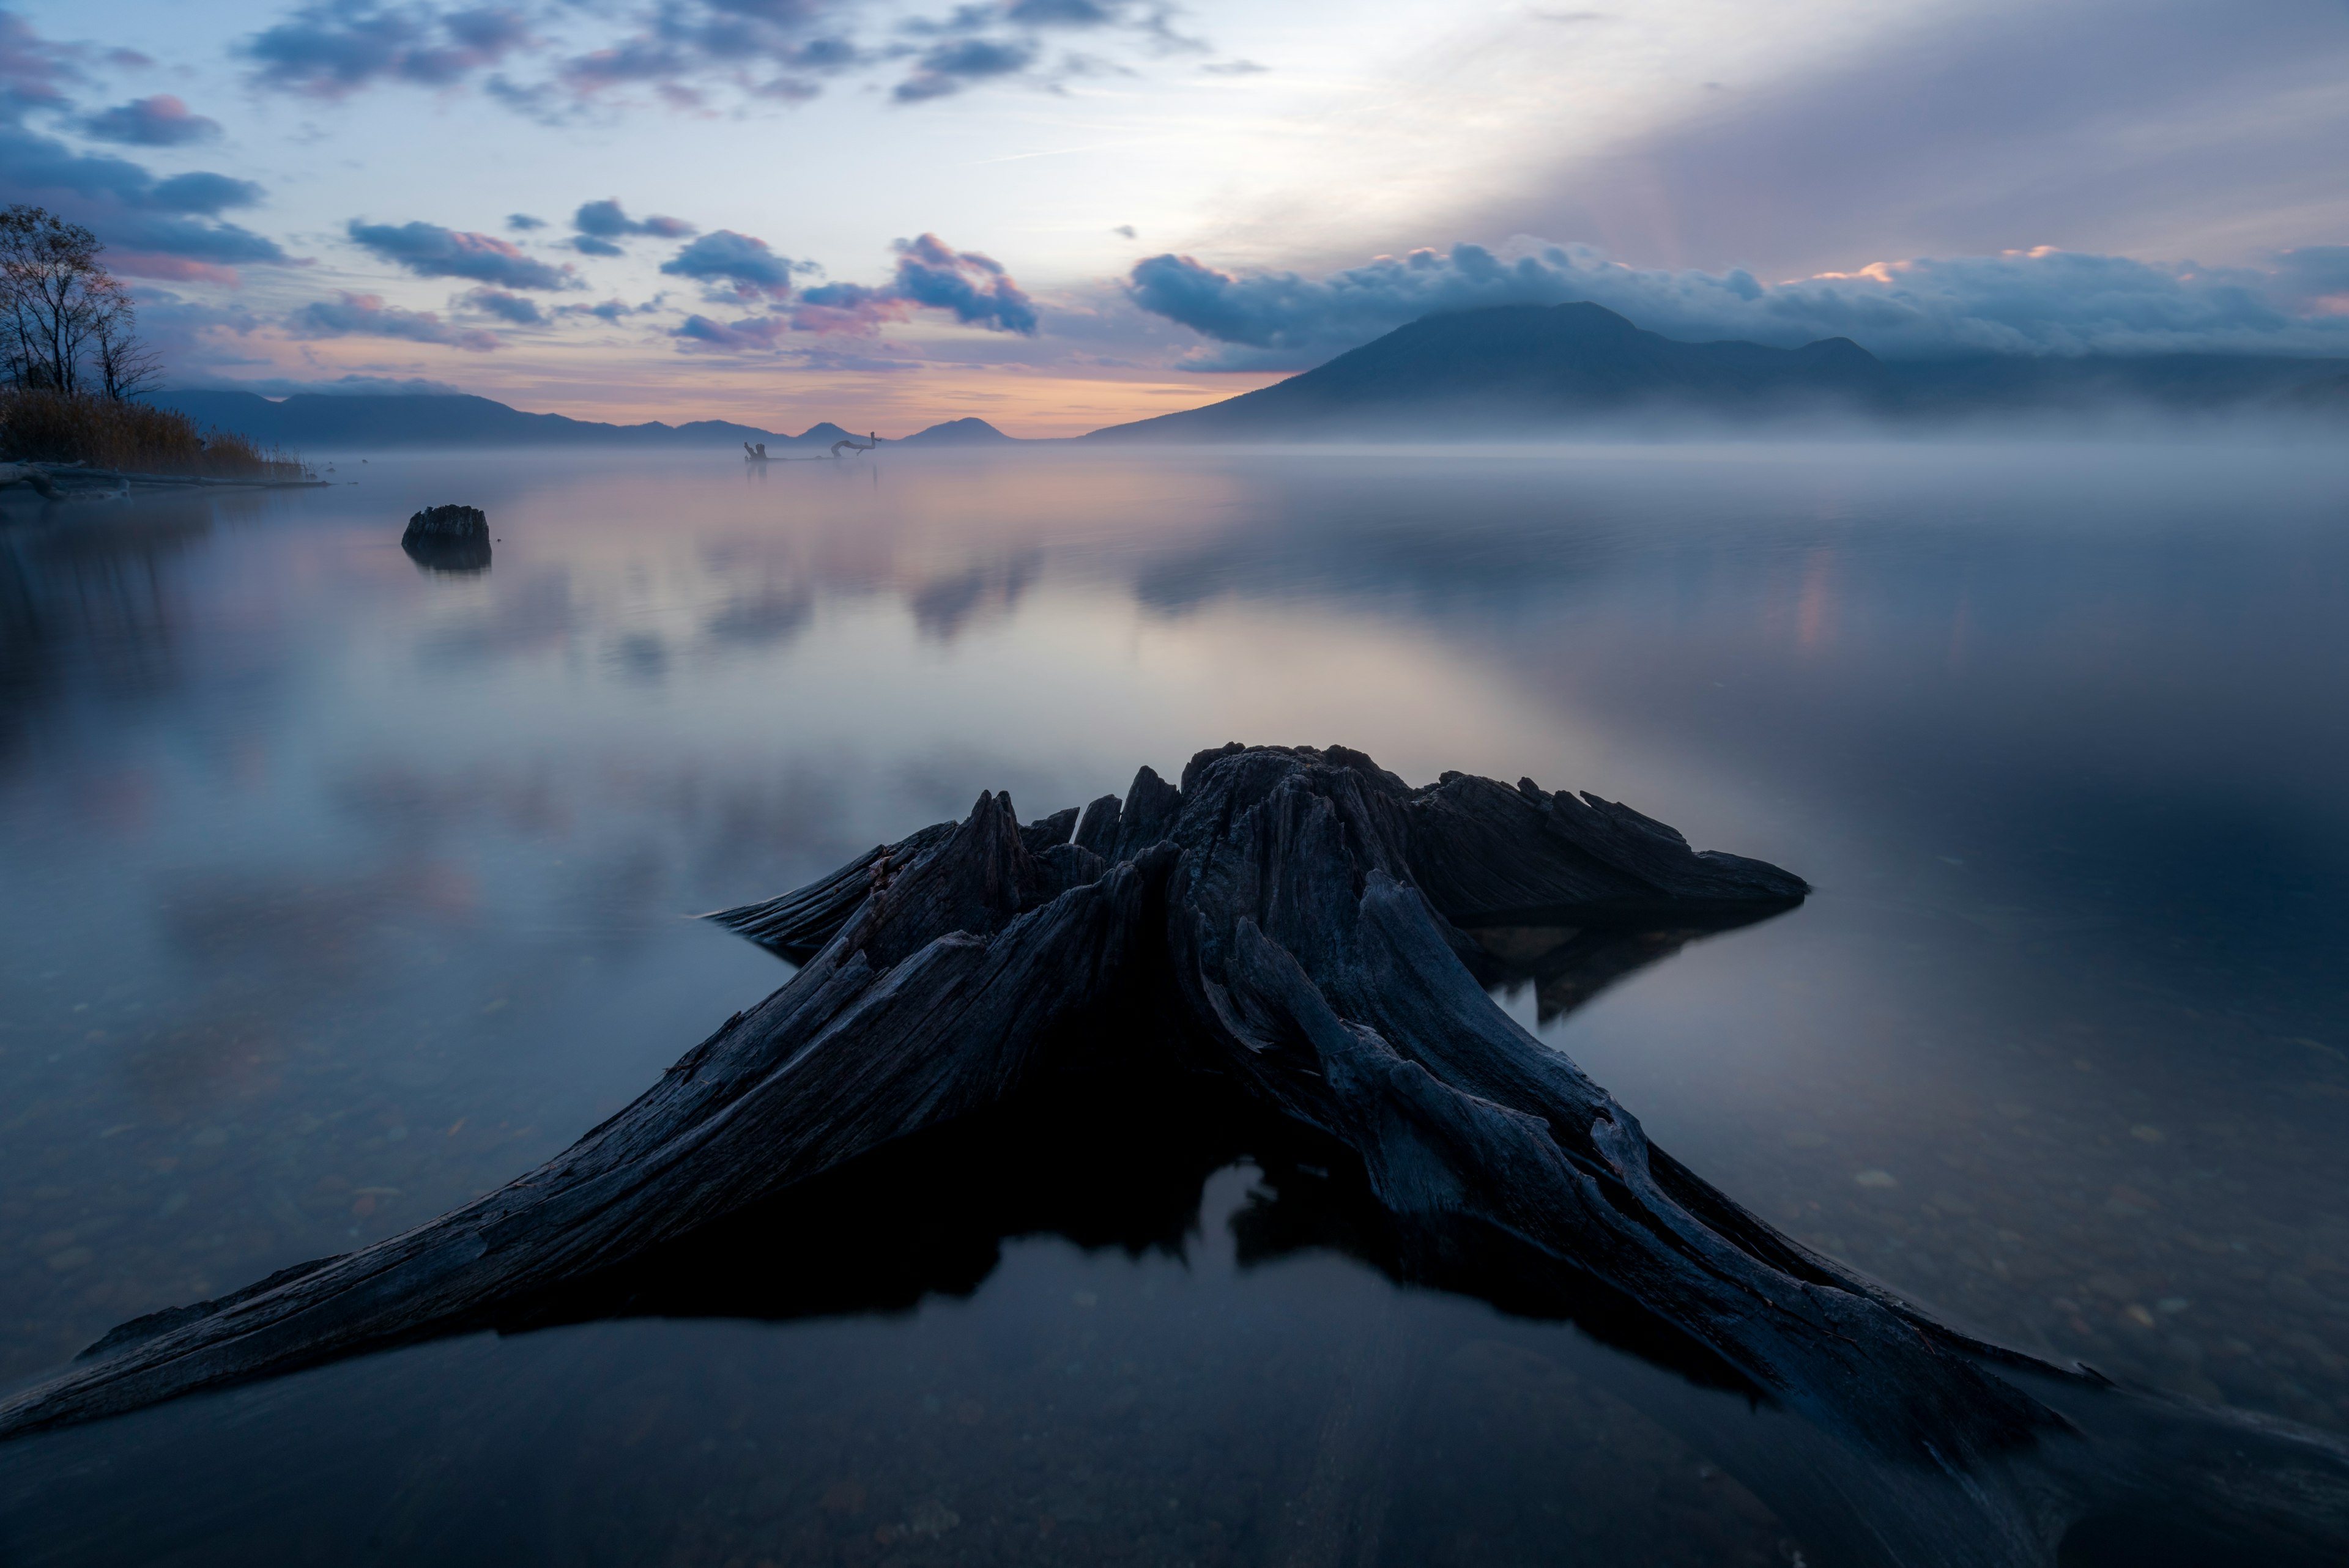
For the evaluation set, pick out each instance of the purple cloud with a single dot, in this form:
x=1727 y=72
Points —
x=33 y=71
x=336 y=46
x=681 y=51
x=749 y=335
x=599 y=224
x=207 y=193
x=738 y=266
x=161 y=120
x=930 y=276
x=358 y=315
x=153 y=228
x=951 y=67
x=511 y=307
x=430 y=251
x=975 y=287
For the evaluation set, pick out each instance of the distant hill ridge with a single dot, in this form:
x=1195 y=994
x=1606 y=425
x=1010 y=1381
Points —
x=1506 y=370
x=1522 y=369
x=309 y=420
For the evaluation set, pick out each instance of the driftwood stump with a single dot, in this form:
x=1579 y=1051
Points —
x=1289 y=930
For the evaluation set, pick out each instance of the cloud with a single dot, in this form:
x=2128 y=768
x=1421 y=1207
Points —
x=773 y=50
x=512 y=307
x=975 y=287
x=1059 y=14
x=738 y=266
x=599 y=224
x=126 y=205
x=951 y=67
x=161 y=120
x=343 y=386
x=335 y=48
x=366 y=316
x=152 y=227
x=607 y=220
x=33 y=71
x=611 y=310
x=2035 y=302
x=2130 y=127
x=522 y=222
x=851 y=309
x=930 y=274
x=206 y=193
x=771 y=334
x=684 y=53
x=752 y=332
x=430 y=251
x=2315 y=277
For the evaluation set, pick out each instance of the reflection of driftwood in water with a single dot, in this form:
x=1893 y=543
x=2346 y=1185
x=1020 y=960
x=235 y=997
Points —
x=1285 y=936
x=55 y=480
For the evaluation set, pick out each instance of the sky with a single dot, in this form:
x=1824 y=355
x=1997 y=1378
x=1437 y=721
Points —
x=1059 y=214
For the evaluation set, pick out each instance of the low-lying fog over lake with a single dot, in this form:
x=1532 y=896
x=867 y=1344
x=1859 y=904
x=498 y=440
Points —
x=342 y=890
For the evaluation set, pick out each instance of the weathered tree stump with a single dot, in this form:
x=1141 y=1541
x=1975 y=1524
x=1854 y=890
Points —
x=447 y=524
x=1289 y=930
x=448 y=538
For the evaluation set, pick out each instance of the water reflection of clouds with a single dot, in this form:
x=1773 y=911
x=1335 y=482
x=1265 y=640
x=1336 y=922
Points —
x=524 y=611
x=769 y=617
x=947 y=606
x=2029 y=726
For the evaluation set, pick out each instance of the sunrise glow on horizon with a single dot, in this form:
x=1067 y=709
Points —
x=1059 y=214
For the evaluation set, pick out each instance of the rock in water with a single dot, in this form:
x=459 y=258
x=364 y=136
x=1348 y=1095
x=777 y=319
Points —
x=447 y=524
x=449 y=539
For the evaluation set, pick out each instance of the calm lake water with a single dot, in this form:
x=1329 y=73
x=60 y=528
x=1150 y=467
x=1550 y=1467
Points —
x=339 y=891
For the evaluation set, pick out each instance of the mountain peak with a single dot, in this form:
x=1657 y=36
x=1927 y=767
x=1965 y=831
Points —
x=964 y=432
x=1520 y=369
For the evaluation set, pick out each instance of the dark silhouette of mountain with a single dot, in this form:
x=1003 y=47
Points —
x=1511 y=366
x=960 y=433
x=1525 y=369
x=308 y=421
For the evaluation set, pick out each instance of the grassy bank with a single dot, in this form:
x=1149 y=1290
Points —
x=70 y=427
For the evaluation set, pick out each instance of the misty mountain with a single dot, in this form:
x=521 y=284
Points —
x=308 y=421
x=1522 y=369
x=960 y=433
x=1514 y=366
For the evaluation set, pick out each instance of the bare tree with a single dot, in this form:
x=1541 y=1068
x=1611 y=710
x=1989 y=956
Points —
x=126 y=367
x=60 y=307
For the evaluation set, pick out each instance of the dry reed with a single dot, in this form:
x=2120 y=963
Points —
x=41 y=426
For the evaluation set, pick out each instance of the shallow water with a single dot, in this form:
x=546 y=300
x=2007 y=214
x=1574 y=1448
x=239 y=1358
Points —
x=342 y=890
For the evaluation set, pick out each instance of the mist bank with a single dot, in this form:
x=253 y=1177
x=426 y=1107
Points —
x=380 y=421
x=1507 y=371
x=1549 y=370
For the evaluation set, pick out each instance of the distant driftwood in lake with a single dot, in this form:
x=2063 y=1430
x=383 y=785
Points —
x=1296 y=932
